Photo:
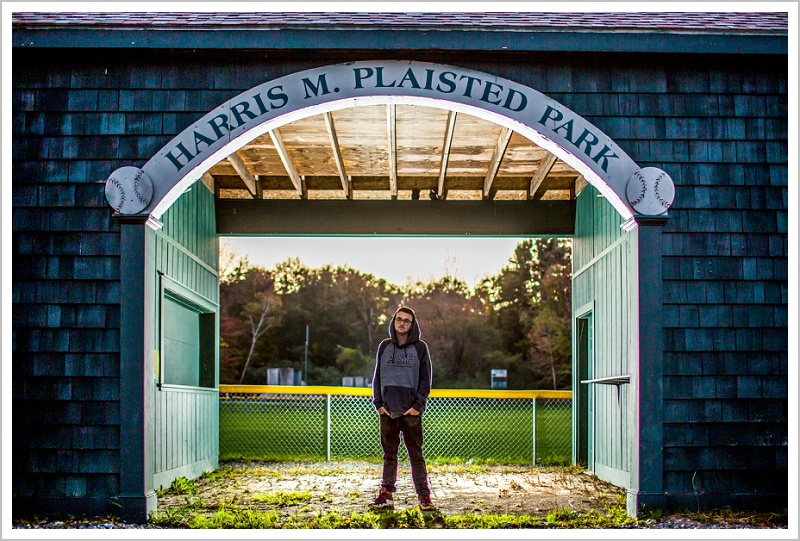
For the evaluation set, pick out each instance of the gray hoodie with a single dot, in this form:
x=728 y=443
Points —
x=403 y=374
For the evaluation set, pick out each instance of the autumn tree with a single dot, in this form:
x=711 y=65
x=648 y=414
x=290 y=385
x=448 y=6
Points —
x=518 y=320
x=532 y=302
x=343 y=308
x=548 y=323
x=454 y=322
x=353 y=362
x=249 y=308
x=231 y=260
x=368 y=299
x=510 y=291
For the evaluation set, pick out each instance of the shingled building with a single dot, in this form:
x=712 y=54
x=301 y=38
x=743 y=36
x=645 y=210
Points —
x=317 y=123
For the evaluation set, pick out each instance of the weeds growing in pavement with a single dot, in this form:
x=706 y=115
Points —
x=225 y=473
x=283 y=498
x=182 y=486
x=236 y=516
x=303 y=510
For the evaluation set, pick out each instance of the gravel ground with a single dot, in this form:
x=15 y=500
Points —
x=347 y=487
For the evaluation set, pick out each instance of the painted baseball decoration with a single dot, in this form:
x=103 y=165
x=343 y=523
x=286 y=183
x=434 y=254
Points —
x=650 y=191
x=129 y=190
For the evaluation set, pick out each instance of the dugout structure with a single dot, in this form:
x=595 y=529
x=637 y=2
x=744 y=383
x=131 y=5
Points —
x=680 y=319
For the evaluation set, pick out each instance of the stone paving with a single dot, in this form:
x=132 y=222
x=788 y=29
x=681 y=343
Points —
x=349 y=487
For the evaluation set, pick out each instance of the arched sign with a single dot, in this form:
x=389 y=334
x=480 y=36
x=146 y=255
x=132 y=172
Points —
x=281 y=101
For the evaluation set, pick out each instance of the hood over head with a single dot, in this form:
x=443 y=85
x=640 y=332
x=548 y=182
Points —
x=414 y=334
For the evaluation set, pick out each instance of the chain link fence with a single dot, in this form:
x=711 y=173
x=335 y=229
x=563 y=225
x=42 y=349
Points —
x=324 y=423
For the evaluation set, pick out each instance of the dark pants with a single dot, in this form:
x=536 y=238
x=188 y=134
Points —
x=411 y=427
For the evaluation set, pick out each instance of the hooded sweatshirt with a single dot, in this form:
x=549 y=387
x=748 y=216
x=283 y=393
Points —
x=403 y=373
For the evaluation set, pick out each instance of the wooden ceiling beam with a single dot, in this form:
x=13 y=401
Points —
x=391 y=128
x=448 y=141
x=314 y=217
x=298 y=183
x=208 y=180
x=580 y=184
x=497 y=158
x=337 y=155
x=244 y=173
x=541 y=173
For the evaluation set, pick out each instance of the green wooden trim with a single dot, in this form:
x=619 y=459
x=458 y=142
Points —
x=202 y=306
x=187 y=435
x=458 y=39
x=582 y=452
x=613 y=246
x=158 y=369
x=183 y=294
x=174 y=387
x=584 y=310
x=615 y=476
x=612 y=380
x=164 y=479
x=169 y=240
x=208 y=349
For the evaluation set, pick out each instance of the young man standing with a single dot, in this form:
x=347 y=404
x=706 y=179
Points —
x=400 y=389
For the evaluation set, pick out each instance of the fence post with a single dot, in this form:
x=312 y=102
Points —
x=328 y=427
x=534 y=431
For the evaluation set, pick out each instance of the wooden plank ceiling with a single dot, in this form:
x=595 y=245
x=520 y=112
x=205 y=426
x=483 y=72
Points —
x=393 y=152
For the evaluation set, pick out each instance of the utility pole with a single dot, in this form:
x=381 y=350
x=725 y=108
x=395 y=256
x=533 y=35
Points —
x=305 y=369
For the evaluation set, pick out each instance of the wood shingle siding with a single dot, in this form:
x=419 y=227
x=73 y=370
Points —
x=724 y=270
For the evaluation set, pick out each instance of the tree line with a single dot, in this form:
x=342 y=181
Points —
x=518 y=320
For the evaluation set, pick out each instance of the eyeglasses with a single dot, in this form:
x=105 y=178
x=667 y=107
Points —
x=403 y=320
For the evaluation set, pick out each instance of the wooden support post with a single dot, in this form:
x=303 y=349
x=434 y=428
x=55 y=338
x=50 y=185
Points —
x=494 y=165
x=448 y=141
x=287 y=163
x=541 y=173
x=391 y=128
x=337 y=155
x=208 y=180
x=243 y=172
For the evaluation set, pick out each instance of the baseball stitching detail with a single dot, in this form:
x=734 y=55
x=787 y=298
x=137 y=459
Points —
x=118 y=186
x=643 y=184
x=660 y=199
x=142 y=199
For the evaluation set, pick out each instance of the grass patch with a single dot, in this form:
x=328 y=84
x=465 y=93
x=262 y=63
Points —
x=615 y=516
x=323 y=471
x=181 y=485
x=232 y=516
x=457 y=468
x=236 y=519
x=258 y=428
x=283 y=498
x=226 y=473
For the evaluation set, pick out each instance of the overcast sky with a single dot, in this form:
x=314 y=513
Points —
x=396 y=259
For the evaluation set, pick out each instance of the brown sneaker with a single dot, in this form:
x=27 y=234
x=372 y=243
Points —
x=384 y=500
x=425 y=503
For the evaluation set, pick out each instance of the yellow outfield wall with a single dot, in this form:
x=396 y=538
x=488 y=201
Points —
x=367 y=391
